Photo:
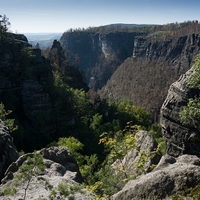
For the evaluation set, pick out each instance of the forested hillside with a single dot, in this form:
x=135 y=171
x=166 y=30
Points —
x=138 y=63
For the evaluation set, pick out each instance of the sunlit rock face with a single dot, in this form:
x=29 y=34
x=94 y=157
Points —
x=172 y=176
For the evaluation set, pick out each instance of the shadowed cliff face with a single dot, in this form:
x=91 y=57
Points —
x=99 y=54
x=8 y=152
x=155 y=65
x=27 y=88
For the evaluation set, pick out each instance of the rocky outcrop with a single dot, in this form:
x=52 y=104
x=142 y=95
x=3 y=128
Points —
x=179 y=139
x=171 y=177
x=68 y=68
x=60 y=168
x=8 y=152
x=145 y=150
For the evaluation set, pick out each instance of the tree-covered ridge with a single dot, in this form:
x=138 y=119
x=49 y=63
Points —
x=171 y=29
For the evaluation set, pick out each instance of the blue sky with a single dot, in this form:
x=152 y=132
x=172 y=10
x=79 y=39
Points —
x=39 y=16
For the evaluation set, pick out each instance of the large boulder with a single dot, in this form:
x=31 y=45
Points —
x=179 y=139
x=171 y=177
x=60 y=168
x=8 y=152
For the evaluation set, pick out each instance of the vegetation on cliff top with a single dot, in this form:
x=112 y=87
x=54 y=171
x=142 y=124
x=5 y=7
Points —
x=190 y=115
x=167 y=30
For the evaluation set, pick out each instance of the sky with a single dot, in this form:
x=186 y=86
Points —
x=51 y=16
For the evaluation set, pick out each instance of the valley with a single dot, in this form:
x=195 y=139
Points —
x=108 y=112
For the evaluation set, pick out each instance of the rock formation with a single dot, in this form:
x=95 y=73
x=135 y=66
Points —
x=171 y=177
x=146 y=145
x=69 y=69
x=60 y=168
x=8 y=152
x=179 y=139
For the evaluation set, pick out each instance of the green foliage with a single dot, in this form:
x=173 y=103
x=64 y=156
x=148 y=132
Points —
x=32 y=168
x=194 y=79
x=81 y=103
x=26 y=62
x=87 y=164
x=91 y=120
x=71 y=198
x=125 y=111
x=73 y=144
x=90 y=164
x=190 y=114
x=142 y=116
x=115 y=142
x=10 y=191
x=188 y=193
x=116 y=147
x=155 y=131
x=53 y=194
x=4 y=26
x=65 y=190
x=194 y=192
x=10 y=123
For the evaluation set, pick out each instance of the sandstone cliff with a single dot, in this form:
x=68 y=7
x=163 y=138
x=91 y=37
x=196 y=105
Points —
x=154 y=66
x=99 y=54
